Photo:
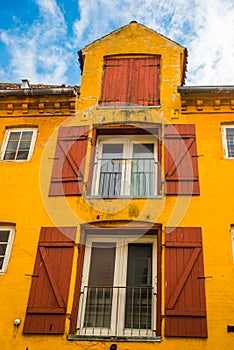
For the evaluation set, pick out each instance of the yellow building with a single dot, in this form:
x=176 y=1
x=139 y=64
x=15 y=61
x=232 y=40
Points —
x=116 y=228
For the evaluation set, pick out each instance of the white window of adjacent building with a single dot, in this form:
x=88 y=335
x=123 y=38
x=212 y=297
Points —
x=6 y=241
x=228 y=140
x=125 y=166
x=19 y=144
x=232 y=237
x=118 y=292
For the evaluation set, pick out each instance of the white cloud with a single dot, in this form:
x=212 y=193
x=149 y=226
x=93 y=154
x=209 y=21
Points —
x=204 y=27
x=212 y=50
x=45 y=51
x=38 y=53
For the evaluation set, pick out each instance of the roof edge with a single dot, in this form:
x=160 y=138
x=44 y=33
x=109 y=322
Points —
x=224 y=89
x=38 y=91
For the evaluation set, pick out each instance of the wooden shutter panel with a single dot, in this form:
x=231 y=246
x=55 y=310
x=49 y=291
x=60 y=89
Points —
x=115 y=82
x=46 y=311
x=180 y=159
x=185 y=306
x=69 y=161
x=144 y=86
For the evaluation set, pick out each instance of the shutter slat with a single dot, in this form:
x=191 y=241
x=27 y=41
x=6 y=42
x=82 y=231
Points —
x=180 y=161
x=185 y=306
x=46 y=311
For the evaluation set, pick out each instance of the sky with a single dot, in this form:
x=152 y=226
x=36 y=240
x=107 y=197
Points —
x=39 y=39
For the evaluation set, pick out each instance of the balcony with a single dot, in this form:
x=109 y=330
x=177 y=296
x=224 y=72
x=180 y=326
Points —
x=125 y=177
x=117 y=313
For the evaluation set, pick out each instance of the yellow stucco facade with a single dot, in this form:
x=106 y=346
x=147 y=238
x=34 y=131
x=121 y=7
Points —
x=26 y=205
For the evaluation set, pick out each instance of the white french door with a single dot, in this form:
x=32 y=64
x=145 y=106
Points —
x=118 y=287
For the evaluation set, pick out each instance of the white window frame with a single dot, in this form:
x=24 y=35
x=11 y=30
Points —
x=128 y=141
x=224 y=140
x=9 y=246
x=120 y=279
x=232 y=238
x=6 y=139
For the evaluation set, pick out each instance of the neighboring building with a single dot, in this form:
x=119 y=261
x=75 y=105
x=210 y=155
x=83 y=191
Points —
x=117 y=224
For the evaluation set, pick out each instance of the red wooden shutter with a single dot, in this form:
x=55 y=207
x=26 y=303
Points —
x=185 y=306
x=69 y=162
x=131 y=81
x=115 y=82
x=144 y=87
x=180 y=159
x=46 y=311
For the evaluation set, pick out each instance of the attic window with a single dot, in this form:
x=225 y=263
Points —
x=131 y=82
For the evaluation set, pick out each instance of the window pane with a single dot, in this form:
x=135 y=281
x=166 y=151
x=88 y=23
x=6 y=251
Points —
x=230 y=141
x=142 y=179
x=26 y=135
x=4 y=236
x=100 y=288
x=14 y=136
x=9 y=156
x=1 y=262
x=24 y=145
x=111 y=170
x=12 y=146
x=3 y=249
x=22 y=155
x=139 y=286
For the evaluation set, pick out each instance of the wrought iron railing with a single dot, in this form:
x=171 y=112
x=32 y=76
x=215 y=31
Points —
x=117 y=311
x=135 y=177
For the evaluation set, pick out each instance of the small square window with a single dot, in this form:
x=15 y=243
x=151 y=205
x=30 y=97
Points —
x=228 y=141
x=18 y=144
x=6 y=240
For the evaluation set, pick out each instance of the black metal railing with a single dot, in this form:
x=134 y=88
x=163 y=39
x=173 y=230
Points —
x=133 y=177
x=116 y=311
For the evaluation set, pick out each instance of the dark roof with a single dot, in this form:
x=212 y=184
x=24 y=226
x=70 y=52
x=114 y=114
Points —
x=15 y=86
x=223 y=89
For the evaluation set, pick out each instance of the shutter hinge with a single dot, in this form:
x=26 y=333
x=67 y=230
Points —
x=29 y=275
x=198 y=155
x=203 y=277
x=161 y=247
x=77 y=245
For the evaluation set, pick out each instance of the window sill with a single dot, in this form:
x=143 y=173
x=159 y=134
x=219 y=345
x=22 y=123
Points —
x=14 y=160
x=75 y=337
x=128 y=107
x=122 y=197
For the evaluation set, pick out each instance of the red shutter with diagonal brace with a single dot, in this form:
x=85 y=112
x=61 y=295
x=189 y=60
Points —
x=185 y=306
x=180 y=160
x=46 y=311
x=69 y=161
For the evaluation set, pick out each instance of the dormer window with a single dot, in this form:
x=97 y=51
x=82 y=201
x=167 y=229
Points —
x=131 y=82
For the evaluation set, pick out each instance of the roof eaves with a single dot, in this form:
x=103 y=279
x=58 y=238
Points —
x=219 y=89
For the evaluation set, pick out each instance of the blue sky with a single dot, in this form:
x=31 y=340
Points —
x=39 y=39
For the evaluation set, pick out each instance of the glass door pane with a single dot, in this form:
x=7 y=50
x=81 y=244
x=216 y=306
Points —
x=111 y=170
x=142 y=178
x=139 y=287
x=100 y=286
